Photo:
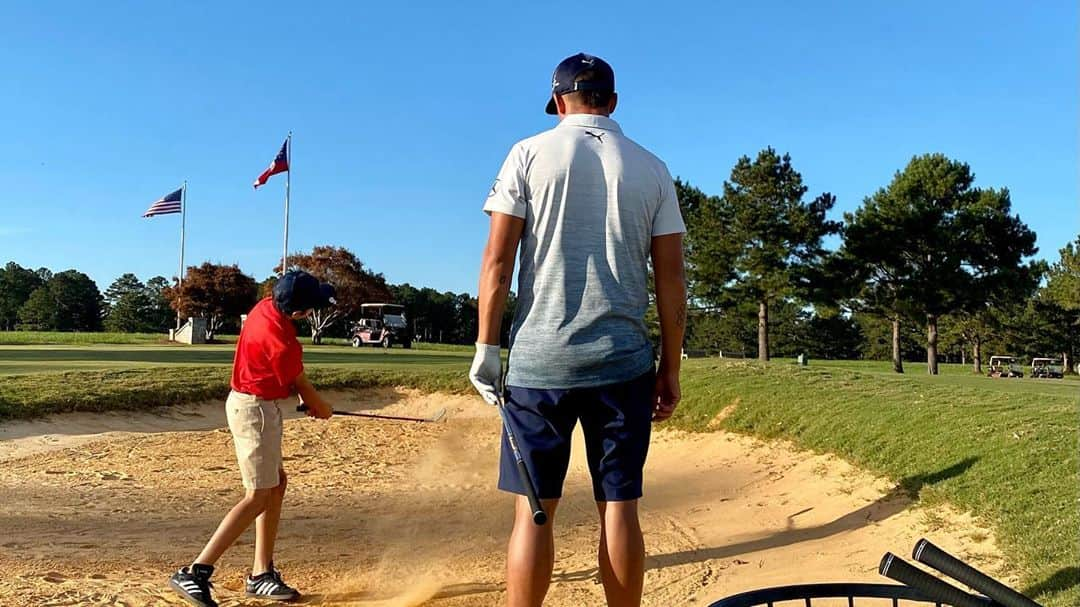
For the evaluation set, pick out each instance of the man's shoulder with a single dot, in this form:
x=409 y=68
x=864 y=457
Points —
x=532 y=142
x=642 y=151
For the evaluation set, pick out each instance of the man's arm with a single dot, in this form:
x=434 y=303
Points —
x=317 y=407
x=496 y=273
x=670 y=278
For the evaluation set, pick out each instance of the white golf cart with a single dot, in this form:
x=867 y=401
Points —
x=381 y=324
x=1050 y=368
x=1005 y=366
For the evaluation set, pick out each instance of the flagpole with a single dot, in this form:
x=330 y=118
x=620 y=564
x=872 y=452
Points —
x=183 y=221
x=288 y=176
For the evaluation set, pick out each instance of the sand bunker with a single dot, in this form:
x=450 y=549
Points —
x=98 y=509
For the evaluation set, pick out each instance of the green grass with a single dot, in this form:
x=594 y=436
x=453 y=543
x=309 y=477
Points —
x=44 y=359
x=146 y=386
x=30 y=338
x=1005 y=450
x=59 y=338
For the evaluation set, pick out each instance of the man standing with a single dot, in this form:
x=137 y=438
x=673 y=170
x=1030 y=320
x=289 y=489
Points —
x=589 y=209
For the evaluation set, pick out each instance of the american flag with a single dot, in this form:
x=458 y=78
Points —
x=279 y=165
x=170 y=203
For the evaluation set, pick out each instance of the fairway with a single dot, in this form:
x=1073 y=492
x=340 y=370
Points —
x=53 y=358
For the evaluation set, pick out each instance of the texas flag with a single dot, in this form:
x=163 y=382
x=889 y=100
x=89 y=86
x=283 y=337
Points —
x=279 y=165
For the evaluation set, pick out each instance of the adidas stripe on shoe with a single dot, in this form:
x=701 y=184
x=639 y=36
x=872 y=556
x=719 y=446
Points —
x=270 y=586
x=193 y=584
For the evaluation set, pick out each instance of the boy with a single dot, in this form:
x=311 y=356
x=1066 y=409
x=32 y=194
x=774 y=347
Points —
x=268 y=367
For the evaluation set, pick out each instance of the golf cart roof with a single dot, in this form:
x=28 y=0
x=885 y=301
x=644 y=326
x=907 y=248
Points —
x=1045 y=360
x=381 y=305
x=1002 y=358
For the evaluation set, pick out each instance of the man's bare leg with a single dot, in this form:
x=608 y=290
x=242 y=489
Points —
x=266 y=527
x=621 y=553
x=531 y=555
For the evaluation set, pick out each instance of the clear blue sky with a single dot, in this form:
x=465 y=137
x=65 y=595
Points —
x=402 y=116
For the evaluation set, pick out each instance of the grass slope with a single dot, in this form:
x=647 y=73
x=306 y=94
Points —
x=1005 y=451
x=36 y=394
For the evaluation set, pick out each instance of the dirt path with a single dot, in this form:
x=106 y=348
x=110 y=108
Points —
x=397 y=514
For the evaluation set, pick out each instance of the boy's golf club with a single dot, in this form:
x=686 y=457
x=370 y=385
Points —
x=438 y=415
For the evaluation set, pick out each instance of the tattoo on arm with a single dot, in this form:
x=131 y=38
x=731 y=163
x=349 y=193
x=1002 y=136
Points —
x=502 y=279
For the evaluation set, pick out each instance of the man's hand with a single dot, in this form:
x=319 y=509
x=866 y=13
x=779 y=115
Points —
x=486 y=372
x=666 y=394
x=320 y=410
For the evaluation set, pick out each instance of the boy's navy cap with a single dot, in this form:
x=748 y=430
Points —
x=297 y=291
x=562 y=81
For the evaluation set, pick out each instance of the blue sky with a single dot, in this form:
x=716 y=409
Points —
x=402 y=115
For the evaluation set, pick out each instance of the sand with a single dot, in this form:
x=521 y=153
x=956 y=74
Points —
x=99 y=509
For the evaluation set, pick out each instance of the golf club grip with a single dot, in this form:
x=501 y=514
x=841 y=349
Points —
x=895 y=568
x=539 y=516
x=935 y=557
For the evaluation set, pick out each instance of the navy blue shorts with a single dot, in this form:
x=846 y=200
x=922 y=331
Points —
x=616 y=420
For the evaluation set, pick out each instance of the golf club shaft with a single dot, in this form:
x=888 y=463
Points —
x=935 y=557
x=401 y=418
x=893 y=567
x=539 y=516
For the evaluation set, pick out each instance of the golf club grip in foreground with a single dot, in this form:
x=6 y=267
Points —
x=539 y=516
x=935 y=557
x=895 y=568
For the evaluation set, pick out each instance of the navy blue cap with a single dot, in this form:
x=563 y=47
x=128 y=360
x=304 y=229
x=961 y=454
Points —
x=298 y=291
x=562 y=81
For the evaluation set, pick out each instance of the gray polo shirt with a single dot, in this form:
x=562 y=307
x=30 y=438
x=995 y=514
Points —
x=592 y=201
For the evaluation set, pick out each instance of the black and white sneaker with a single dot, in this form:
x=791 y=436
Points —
x=193 y=583
x=270 y=586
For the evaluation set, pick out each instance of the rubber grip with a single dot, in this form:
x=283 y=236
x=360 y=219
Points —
x=539 y=516
x=935 y=557
x=895 y=568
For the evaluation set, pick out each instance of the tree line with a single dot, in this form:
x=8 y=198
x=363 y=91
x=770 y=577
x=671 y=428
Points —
x=929 y=252
x=929 y=266
x=38 y=300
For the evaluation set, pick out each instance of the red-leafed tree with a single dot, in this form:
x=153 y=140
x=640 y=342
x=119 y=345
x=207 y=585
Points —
x=353 y=283
x=215 y=292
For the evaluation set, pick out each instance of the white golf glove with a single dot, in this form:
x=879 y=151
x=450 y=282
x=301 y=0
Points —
x=486 y=372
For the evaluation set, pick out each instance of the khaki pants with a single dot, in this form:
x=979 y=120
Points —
x=256 y=430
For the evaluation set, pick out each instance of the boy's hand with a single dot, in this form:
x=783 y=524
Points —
x=318 y=410
x=316 y=406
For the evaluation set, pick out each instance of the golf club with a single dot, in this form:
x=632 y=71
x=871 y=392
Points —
x=935 y=557
x=539 y=516
x=437 y=416
x=896 y=568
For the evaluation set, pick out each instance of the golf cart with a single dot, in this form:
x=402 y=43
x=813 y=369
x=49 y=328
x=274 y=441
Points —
x=1005 y=366
x=381 y=324
x=1047 y=367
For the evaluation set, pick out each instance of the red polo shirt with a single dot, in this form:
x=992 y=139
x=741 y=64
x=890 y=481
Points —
x=268 y=356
